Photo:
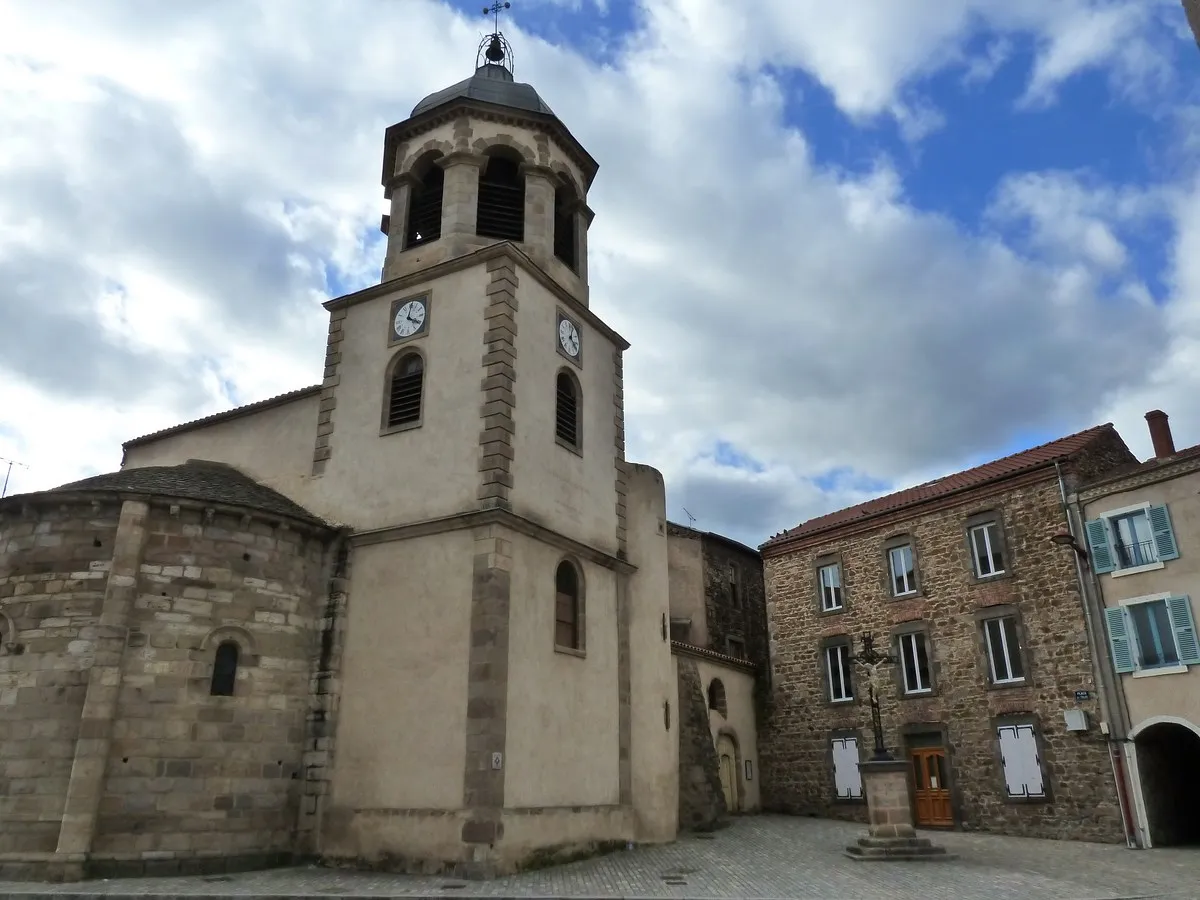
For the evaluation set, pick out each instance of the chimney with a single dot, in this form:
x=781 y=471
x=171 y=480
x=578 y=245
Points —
x=1160 y=434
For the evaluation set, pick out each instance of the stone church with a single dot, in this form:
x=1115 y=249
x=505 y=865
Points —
x=422 y=616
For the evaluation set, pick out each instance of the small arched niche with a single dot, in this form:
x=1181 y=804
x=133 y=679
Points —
x=568 y=606
x=500 y=210
x=716 y=697
x=425 y=200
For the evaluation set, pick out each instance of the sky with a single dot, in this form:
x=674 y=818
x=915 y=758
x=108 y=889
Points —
x=854 y=246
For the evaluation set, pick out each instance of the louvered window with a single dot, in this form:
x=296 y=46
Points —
x=501 y=209
x=404 y=399
x=564 y=226
x=425 y=209
x=566 y=418
x=566 y=607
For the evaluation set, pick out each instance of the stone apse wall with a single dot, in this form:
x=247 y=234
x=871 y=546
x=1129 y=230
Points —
x=115 y=754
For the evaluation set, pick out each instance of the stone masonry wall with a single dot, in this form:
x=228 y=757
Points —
x=744 y=618
x=1040 y=585
x=701 y=800
x=54 y=564
x=194 y=775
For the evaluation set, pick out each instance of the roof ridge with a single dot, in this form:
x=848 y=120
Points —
x=1078 y=440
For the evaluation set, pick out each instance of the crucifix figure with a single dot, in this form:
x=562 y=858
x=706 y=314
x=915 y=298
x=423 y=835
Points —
x=871 y=660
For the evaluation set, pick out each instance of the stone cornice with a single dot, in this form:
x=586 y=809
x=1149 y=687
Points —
x=732 y=662
x=488 y=112
x=482 y=517
x=476 y=257
x=1141 y=478
x=890 y=518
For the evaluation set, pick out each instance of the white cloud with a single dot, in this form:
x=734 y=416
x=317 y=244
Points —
x=184 y=184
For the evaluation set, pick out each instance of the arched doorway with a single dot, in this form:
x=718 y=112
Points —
x=727 y=757
x=1167 y=754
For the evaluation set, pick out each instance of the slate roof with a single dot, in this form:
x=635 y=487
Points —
x=1016 y=464
x=491 y=84
x=201 y=480
x=277 y=400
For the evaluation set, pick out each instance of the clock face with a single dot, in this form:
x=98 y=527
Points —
x=409 y=318
x=568 y=336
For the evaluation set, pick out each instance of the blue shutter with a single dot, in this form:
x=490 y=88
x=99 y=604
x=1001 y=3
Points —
x=1164 y=535
x=1118 y=638
x=1185 y=630
x=1102 y=555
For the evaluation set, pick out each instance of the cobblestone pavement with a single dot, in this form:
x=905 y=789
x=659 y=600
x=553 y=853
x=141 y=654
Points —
x=758 y=857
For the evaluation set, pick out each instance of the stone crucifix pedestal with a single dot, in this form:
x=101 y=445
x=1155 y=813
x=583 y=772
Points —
x=890 y=832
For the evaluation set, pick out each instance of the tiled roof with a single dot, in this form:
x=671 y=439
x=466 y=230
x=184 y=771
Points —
x=1017 y=464
x=194 y=480
x=277 y=400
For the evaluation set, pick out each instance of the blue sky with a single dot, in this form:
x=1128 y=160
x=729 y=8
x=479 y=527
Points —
x=854 y=246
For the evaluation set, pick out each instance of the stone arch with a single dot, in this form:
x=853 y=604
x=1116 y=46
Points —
x=729 y=764
x=413 y=160
x=716 y=697
x=505 y=145
x=247 y=647
x=567 y=200
x=8 y=635
x=1166 y=749
x=569 y=605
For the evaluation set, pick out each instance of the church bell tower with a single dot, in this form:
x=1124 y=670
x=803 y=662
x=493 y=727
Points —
x=507 y=575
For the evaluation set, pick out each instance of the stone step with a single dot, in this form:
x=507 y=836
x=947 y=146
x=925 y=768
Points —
x=869 y=848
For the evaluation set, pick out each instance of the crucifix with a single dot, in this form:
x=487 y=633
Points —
x=871 y=660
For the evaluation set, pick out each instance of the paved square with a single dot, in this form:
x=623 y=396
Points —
x=757 y=857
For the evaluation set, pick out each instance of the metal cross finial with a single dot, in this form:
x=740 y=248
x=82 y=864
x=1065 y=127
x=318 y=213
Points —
x=494 y=9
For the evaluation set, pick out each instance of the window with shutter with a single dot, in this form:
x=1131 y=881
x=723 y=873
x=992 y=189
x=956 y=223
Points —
x=404 y=391
x=1022 y=764
x=1131 y=538
x=1155 y=634
x=847 y=779
x=566 y=410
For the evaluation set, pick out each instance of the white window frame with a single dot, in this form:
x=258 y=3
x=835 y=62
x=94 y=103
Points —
x=853 y=781
x=826 y=606
x=1138 y=670
x=912 y=553
x=908 y=641
x=839 y=654
x=1020 y=732
x=987 y=540
x=1009 y=652
x=1107 y=517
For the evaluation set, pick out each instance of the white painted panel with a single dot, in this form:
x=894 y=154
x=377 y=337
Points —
x=846 y=778
x=1022 y=766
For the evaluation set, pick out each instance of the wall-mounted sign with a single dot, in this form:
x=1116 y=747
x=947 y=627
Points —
x=1080 y=696
x=749 y=771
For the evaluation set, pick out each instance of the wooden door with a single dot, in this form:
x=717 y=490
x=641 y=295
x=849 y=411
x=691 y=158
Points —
x=729 y=780
x=931 y=792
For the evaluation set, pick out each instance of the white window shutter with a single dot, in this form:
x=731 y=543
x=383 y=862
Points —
x=847 y=780
x=1022 y=766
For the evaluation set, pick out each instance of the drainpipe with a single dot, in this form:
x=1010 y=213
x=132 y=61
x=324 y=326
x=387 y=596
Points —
x=1114 y=713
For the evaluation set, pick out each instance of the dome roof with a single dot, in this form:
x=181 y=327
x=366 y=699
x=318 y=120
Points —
x=196 y=479
x=491 y=83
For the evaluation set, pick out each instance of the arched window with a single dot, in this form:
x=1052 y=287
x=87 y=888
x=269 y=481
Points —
x=716 y=696
x=565 y=203
x=425 y=204
x=567 y=608
x=225 y=666
x=566 y=409
x=404 y=389
x=500 y=212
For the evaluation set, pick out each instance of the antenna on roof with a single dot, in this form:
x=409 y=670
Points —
x=494 y=49
x=691 y=518
x=8 y=472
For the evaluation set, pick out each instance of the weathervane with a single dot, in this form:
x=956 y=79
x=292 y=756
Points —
x=495 y=48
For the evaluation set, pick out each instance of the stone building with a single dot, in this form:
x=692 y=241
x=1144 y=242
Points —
x=719 y=638
x=959 y=580
x=1142 y=538
x=417 y=615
